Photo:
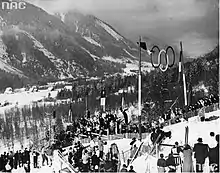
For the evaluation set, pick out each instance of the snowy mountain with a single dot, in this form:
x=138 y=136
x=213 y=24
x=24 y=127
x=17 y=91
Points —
x=38 y=45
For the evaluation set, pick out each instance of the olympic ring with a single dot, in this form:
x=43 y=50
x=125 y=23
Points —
x=166 y=58
x=160 y=66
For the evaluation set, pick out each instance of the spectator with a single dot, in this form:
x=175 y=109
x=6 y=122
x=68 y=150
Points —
x=201 y=153
x=70 y=156
x=35 y=158
x=161 y=164
x=187 y=162
x=115 y=161
x=131 y=169
x=170 y=163
x=85 y=161
x=153 y=136
x=124 y=168
x=101 y=144
x=212 y=141
x=43 y=155
x=176 y=153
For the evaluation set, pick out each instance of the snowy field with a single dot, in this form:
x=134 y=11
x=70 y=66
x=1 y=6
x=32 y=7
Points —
x=24 y=98
x=141 y=164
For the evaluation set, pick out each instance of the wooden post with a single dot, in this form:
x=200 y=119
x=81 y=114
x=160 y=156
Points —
x=108 y=136
x=116 y=128
x=157 y=151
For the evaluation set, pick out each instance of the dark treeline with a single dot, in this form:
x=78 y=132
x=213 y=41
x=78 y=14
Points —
x=157 y=87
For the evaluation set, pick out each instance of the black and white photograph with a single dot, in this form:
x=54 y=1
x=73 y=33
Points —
x=109 y=86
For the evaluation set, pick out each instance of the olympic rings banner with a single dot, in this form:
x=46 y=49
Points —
x=168 y=52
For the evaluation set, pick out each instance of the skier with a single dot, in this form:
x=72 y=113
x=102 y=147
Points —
x=201 y=152
x=161 y=164
x=187 y=162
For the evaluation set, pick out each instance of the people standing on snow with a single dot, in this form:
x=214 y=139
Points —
x=85 y=161
x=153 y=136
x=95 y=161
x=115 y=161
x=70 y=156
x=161 y=164
x=187 y=162
x=201 y=153
x=212 y=141
x=35 y=158
x=101 y=144
x=176 y=150
x=214 y=157
x=44 y=156
x=170 y=163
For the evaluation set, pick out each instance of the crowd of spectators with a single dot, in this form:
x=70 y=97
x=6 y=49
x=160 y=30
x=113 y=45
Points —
x=92 y=158
x=13 y=160
x=174 y=115
x=182 y=157
x=26 y=159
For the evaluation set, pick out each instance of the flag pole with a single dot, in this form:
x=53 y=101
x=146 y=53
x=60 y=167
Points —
x=139 y=91
x=184 y=76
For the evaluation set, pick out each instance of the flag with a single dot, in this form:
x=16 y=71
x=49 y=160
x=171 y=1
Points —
x=54 y=114
x=189 y=96
x=143 y=45
x=182 y=76
x=123 y=100
x=103 y=96
x=70 y=113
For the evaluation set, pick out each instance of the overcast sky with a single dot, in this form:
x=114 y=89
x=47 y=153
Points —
x=195 y=22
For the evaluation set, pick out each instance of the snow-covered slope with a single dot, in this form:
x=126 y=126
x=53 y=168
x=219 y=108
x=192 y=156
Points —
x=196 y=129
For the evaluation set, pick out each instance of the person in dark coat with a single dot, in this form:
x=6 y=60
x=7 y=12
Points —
x=26 y=155
x=115 y=161
x=176 y=153
x=201 y=153
x=16 y=161
x=161 y=164
x=4 y=161
x=10 y=157
x=35 y=158
x=214 y=157
x=1 y=162
x=27 y=167
x=170 y=163
x=153 y=136
x=95 y=161
x=131 y=169
x=20 y=158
